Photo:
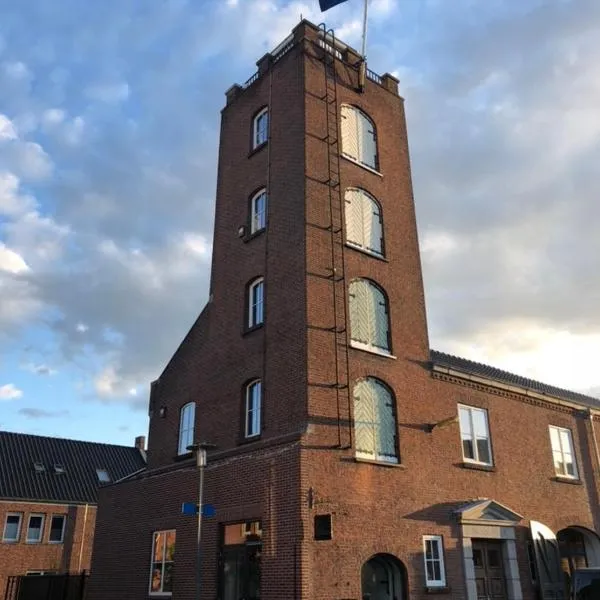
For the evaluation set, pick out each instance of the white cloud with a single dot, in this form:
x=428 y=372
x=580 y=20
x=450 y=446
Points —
x=17 y=70
x=81 y=328
x=108 y=92
x=10 y=392
x=11 y=261
x=7 y=129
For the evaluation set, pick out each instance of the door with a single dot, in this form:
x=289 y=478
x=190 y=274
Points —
x=489 y=570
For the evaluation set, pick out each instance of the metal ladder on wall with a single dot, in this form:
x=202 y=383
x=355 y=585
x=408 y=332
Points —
x=336 y=230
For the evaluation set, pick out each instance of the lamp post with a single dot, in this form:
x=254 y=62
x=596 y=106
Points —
x=200 y=449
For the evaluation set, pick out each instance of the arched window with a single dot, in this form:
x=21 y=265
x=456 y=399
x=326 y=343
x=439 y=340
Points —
x=359 y=141
x=186 y=427
x=260 y=127
x=253 y=407
x=258 y=211
x=369 y=317
x=374 y=421
x=256 y=301
x=364 y=225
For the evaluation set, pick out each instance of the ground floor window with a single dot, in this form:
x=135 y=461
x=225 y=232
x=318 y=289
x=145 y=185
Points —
x=571 y=545
x=163 y=562
x=239 y=573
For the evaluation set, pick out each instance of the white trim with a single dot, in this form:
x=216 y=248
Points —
x=183 y=443
x=466 y=459
x=356 y=162
x=439 y=540
x=19 y=524
x=255 y=143
x=62 y=533
x=358 y=248
x=371 y=349
x=29 y=540
x=257 y=409
x=251 y=322
x=253 y=212
x=152 y=561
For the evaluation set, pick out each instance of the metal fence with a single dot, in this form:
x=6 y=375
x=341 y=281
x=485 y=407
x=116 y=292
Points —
x=66 y=586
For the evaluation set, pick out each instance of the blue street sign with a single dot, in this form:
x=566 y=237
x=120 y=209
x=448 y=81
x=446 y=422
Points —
x=191 y=509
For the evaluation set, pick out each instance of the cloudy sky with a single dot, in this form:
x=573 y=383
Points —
x=109 y=116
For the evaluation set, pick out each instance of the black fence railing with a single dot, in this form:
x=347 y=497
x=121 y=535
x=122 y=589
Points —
x=66 y=586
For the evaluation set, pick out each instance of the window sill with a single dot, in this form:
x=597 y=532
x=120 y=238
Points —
x=474 y=466
x=366 y=167
x=249 y=330
x=434 y=589
x=248 y=440
x=181 y=457
x=569 y=480
x=10 y=541
x=257 y=149
x=379 y=463
x=250 y=236
x=367 y=252
x=55 y=543
x=371 y=350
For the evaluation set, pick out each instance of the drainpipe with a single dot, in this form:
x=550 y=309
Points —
x=594 y=437
x=82 y=539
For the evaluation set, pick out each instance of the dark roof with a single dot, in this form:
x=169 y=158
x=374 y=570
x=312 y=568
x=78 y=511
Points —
x=79 y=483
x=475 y=368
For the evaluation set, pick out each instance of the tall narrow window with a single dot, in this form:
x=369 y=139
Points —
x=35 y=529
x=186 y=427
x=256 y=302
x=563 y=455
x=475 y=435
x=260 y=128
x=374 y=421
x=163 y=562
x=364 y=227
x=433 y=555
x=359 y=142
x=258 y=211
x=253 y=408
x=12 y=527
x=57 y=529
x=369 y=317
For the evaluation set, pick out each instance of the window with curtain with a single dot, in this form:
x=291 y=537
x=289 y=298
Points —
x=364 y=224
x=369 y=317
x=374 y=421
x=186 y=427
x=359 y=140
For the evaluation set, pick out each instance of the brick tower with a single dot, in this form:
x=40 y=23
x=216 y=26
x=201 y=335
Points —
x=310 y=370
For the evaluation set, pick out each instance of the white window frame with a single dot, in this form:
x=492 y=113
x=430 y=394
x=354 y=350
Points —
x=475 y=460
x=163 y=562
x=19 y=525
x=253 y=409
x=62 y=532
x=186 y=428
x=29 y=540
x=260 y=135
x=363 y=244
x=439 y=540
x=361 y=150
x=256 y=309
x=258 y=219
x=563 y=452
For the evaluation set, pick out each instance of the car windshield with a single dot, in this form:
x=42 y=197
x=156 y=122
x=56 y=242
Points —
x=587 y=585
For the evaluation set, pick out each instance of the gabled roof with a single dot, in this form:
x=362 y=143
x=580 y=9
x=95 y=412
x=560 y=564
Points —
x=484 y=509
x=474 y=368
x=49 y=469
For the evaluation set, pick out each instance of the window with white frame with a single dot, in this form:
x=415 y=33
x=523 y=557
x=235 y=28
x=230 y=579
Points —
x=256 y=302
x=163 y=562
x=12 y=527
x=369 y=317
x=374 y=421
x=57 y=529
x=258 y=211
x=260 y=127
x=253 y=408
x=359 y=141
x=475 y=435
x=186 y=427
x=563 y=454
x=364 y=226
x=433 y=555
x=35 y=529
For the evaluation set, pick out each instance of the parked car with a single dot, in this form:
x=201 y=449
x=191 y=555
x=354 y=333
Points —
x=585 y=584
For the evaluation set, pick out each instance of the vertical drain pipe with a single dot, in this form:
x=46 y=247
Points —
x=595 y=440
x=85 y=514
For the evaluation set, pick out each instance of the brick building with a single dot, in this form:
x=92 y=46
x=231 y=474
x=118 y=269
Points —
x=48 y=499
x=352 y=462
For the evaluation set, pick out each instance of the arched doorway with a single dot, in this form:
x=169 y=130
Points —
x=383 y=577
x=579 y=548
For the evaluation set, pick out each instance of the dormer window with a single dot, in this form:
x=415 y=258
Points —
x=39 y=467
x=59 y=469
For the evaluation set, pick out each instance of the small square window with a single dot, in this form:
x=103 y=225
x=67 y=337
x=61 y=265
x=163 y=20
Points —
x=35 y=529
x=12 y=527
x=57 y=529
x=323 y=529
x=103 y=475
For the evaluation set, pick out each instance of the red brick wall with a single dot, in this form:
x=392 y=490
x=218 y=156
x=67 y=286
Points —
x=18 y=558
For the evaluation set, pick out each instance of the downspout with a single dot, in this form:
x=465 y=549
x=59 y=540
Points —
x=85 y=514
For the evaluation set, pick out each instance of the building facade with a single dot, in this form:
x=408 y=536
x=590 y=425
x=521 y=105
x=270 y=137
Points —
x=48 y=500
x=352 y=462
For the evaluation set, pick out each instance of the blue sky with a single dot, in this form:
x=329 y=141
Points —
x=109 y=116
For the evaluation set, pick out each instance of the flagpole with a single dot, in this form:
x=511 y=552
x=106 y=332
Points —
x=364 y=35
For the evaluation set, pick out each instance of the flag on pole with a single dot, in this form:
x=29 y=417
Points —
x=327 y=4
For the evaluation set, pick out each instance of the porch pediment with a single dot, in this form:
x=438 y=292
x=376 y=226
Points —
x=488 y=511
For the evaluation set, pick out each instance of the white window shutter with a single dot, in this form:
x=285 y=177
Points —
x=367 y=144
x=364 y=421
x=354 y=218
x=387 y=423
x=360 y=311
x=350 y=142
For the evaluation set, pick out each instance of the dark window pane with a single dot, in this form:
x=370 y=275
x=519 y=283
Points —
x=168 y=578
x=436 y=571
x=468 y=449
x=430 y=571
x=477 y=557
x=493 y=558
x=483 y=451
